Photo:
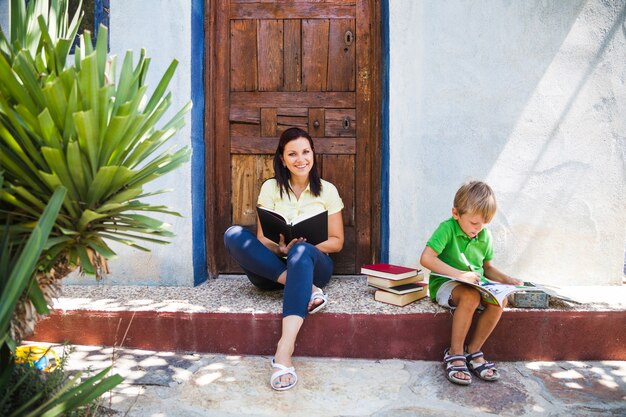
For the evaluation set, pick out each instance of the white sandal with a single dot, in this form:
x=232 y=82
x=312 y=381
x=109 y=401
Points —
x=318 y=295
x=283 y=370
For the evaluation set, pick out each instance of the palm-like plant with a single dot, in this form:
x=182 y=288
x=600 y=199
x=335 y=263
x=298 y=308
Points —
x=75 y=126
x=18 y=260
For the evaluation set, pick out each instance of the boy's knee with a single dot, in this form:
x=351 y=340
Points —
x=467 y=296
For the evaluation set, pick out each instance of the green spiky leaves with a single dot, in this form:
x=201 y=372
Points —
x=76 y=127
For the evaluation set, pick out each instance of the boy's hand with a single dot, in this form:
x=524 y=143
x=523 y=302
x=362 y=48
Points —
x=471 y=277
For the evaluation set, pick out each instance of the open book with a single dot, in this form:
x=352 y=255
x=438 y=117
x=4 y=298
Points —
x=312 y=227
x=490 y=291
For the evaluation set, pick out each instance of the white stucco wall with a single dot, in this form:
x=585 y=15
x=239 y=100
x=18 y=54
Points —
x=4 y=17
x=530 y=97
x=163 y=28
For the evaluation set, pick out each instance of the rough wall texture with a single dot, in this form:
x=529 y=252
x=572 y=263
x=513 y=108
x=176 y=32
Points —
x=163 y=29
x=530 y=97
x=4 y=16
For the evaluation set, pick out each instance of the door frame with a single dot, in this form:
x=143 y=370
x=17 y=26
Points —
x=216 y=131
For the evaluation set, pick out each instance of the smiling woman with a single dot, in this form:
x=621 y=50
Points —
x=301 y=268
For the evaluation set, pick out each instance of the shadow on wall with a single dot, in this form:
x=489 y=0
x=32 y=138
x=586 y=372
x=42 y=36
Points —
x=562 y=175
x=517 y=94
x=481 y=65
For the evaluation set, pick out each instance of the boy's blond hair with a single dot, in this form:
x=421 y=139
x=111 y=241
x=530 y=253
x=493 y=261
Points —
x=476 y=197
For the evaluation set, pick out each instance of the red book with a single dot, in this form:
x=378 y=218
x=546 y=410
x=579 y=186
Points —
x=388 y=271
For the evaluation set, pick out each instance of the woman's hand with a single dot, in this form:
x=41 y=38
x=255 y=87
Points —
x=283 y=249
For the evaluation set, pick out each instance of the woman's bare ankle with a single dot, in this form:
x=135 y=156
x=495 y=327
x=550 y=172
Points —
x=283 y=354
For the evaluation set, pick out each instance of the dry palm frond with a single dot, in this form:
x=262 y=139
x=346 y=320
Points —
x=24 y=320
x=98 y=262
x=25 y=316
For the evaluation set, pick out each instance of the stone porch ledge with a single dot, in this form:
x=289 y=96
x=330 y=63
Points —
x=228 y=315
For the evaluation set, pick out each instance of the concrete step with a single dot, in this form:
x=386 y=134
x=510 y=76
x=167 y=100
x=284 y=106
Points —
x=206 y=384
x=230 y=316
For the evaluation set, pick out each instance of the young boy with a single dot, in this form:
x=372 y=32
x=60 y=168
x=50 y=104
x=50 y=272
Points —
x=463 y=235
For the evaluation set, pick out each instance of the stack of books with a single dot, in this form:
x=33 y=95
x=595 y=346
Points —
x=397 y=285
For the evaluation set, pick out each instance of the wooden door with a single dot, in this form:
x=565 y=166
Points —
x=276 y=64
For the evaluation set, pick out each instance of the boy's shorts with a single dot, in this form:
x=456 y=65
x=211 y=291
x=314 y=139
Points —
x=444 y=295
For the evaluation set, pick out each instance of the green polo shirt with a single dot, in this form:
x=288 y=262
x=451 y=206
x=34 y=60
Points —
x=449 y=241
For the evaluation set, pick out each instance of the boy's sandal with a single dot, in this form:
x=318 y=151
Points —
x=451 y=369
x=318 y=295
x=282 y=370
x=481 y=369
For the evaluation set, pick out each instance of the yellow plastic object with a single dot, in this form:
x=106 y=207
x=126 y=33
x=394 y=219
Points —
x=43 y=358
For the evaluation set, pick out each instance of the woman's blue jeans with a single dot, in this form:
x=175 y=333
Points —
x=305 y=264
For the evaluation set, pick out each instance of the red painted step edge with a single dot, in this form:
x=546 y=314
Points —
x=527 y=335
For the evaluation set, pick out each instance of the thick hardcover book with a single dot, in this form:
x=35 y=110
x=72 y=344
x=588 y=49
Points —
x=406 y=288
x=390 y=283
x=314 y=228
x=388 y=271
x=399 y=299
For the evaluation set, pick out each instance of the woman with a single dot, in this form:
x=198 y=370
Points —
x=301 y=268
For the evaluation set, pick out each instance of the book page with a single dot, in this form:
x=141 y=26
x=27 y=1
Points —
x=499 y=291
x=491 y=292
x=272 y=212
x=303 y=217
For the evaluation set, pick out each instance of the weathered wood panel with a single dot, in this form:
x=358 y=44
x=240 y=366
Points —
x=315 y=54
x=285 y=122
x=268 y=122
x=341 y=55
x=248 y=173
x=292 y=11
x=339 y=170
x=347 y=2
x=365 y=250
x=292 y=55
x=305 y=63
x=245 y=114
x=340 y=122
x=219 y=197
x=270 y=55
x=316 y=122
x=243 y=49
x=245 y=129
x=241 y=100
x=261 y=145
